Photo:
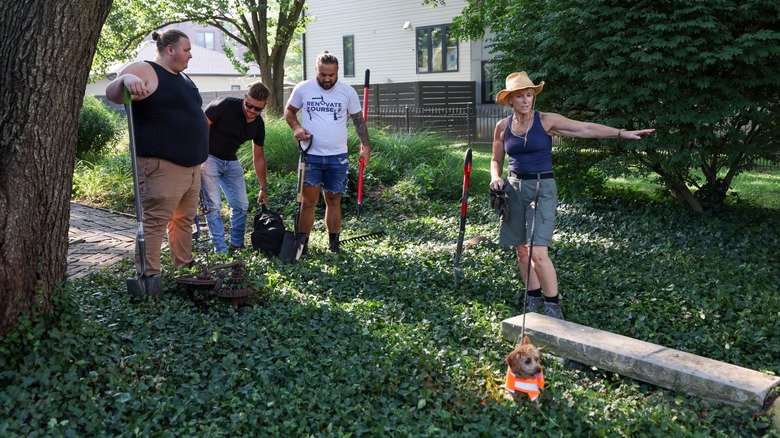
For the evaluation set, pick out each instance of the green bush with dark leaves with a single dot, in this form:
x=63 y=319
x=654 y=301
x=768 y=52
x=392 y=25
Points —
x=99 y=129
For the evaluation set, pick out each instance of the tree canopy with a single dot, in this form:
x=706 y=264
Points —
x=265 y=28
x=704 y=74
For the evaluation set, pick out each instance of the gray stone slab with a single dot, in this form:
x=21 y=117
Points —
x=651 y=363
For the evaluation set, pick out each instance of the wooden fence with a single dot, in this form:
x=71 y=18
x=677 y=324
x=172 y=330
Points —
x=470 y=124
x=424 y=94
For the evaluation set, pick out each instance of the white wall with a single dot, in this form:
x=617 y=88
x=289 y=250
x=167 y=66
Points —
x=381 y=43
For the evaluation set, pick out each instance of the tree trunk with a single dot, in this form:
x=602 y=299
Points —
x=684 y=195
x=46 y=50
x=272 y=64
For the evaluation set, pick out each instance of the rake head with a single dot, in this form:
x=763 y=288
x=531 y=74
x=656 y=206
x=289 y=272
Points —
x=363 y=238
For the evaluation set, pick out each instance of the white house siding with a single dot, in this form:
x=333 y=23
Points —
x=381 y=43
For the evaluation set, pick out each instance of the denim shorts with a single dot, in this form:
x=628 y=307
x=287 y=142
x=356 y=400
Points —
x=328 y=172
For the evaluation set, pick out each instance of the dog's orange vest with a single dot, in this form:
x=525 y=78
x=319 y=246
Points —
x=533 y=387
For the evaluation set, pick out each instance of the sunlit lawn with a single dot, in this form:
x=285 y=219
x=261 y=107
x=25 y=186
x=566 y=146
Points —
x=757 y=188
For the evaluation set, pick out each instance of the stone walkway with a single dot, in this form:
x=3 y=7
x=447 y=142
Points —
x=98 y=239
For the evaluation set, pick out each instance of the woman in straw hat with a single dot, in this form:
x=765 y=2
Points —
x=526 y=137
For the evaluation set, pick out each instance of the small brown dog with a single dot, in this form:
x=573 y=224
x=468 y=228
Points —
x=524 y=373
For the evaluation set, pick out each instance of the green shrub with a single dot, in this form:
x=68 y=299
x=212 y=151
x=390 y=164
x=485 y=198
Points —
x=576 y=168
x=422 y=158
x=281 y=150
x=99 y=128
x=107 y=182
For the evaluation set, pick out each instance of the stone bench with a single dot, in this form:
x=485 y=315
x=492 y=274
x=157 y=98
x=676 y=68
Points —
x=654 y=364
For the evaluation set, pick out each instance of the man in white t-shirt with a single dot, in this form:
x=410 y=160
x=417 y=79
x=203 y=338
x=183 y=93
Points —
x=325 y=105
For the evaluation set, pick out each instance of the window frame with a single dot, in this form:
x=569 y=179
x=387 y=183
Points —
x=348 y=48
x=488 y=84
x=200 y=36
x=426 y=36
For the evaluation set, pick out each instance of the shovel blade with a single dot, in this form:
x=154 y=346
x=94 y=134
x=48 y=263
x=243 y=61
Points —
x=292 y=247
x=140 y=287
x=136 y=288
x=153 y=285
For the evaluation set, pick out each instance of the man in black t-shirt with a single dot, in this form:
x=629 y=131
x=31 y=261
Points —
x=233 y=121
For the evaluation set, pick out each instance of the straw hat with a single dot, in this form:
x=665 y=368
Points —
x=515 y=82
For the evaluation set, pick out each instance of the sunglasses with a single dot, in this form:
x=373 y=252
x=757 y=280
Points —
x=252 y=107
x=256 y=108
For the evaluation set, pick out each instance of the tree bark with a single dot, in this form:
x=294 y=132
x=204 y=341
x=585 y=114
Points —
x=684 y=195
x=46 y=49
x=271 y=59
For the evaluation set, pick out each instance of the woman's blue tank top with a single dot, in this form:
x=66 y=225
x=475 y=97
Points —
x=532 y=156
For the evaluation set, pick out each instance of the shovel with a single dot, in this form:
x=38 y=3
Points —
x=464 y=202
x=362 y=161
x=294 y=241
x=139 y=287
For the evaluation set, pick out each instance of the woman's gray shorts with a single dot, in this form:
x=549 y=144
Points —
x=517 y=228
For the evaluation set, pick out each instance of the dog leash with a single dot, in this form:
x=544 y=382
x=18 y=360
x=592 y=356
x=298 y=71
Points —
x=530 y=254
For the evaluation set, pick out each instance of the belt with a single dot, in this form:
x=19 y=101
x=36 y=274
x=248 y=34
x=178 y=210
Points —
x=543 y=175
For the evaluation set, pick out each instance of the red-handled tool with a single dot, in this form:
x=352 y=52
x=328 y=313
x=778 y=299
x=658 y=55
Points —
x=362 y=162
x=464 y=202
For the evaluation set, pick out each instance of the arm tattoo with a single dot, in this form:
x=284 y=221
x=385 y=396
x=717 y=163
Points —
x=360 y=127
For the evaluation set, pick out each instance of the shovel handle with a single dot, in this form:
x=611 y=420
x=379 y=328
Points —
x=139 y=211
x=361 y=169
x=302 y=168
x=463 y=209
x=365 y=97
x=466 y=179
x=362 y=161
x=305 y=150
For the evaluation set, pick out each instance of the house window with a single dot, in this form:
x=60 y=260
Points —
x=235 y=87
x=349 y=56
x=488 y=88
x=436 y=51
x=205 y=39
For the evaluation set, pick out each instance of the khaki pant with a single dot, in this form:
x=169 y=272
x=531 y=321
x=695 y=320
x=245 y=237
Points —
x=169 y=195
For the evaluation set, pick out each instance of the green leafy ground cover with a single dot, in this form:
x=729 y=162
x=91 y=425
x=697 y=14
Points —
x=377 y=342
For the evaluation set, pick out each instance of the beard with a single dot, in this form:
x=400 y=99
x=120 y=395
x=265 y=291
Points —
x=328 y=85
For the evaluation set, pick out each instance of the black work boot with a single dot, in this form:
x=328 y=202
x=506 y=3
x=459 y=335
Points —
x=334 y=247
